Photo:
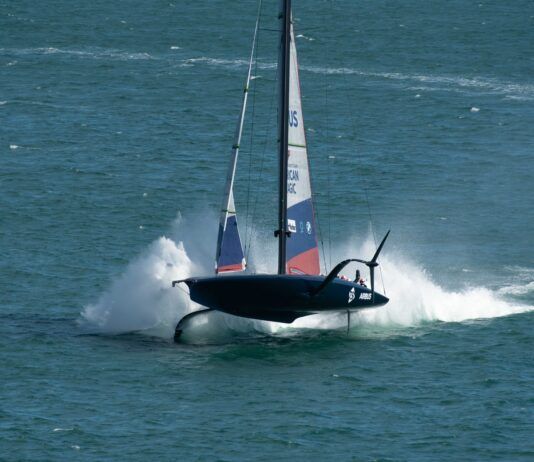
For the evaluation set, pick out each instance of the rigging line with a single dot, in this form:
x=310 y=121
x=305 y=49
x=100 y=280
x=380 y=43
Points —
x=329 y=209
x=374 y=236
x=266 y=137
x=364 y=187
x=358 y=155
x=317 y=208
x=254 y=56
x=329 y=178
x=318 y=224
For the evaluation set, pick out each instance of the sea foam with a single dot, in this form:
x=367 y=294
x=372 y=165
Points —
x=458 y=83
x=143 y=299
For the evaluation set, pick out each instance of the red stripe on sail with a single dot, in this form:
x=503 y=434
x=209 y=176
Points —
x=304 y=263
x=228 y=268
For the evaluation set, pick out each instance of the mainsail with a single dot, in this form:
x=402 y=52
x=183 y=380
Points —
x=229 y=255
x=302 y=252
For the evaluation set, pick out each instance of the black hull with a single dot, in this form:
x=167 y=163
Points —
x=280 y=298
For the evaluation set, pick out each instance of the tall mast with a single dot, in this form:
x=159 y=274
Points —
x=282 y=232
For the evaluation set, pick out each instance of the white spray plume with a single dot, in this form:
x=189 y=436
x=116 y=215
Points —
x=142 y=298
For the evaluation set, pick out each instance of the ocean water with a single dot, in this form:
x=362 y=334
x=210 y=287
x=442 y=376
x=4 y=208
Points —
x=116 y=122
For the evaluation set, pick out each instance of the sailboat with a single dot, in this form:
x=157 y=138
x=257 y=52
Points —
x=297 y=289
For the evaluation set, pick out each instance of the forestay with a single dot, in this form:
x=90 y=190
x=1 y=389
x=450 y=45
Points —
x=302 y=252
x=229 y=255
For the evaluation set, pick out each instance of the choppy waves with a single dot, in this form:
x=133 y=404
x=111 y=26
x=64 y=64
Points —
x=415 y=81
x=519 y=91
x=87 y=53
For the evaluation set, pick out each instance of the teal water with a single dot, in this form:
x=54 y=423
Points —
x=116 y=120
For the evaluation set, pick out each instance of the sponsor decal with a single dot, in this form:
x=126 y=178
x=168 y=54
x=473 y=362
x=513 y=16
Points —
x=293 y=119
x=292 y=226
x=308 y=227
x=292 y=180
x=352 y=295
x=366 y=296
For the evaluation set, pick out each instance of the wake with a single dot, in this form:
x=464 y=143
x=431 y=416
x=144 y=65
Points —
x=522 y=91
x=508 y=89
x=142 y=298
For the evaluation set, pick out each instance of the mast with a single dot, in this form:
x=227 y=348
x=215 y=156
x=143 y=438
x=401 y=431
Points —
x=281 y=232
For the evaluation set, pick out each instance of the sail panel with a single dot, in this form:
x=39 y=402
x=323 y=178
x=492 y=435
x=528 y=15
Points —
x=302 y=249
x=231 y=256
x=302 y=252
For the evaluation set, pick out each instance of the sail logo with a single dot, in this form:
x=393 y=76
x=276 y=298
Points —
x=352 y=295
x=292 y=226
x=292 y=180
x=293 y=174
x=293 y=121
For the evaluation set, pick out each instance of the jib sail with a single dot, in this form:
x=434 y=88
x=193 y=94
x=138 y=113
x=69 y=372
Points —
x=229 y=255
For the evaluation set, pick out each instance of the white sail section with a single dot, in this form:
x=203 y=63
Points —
x=301 y=248
x=229 y=254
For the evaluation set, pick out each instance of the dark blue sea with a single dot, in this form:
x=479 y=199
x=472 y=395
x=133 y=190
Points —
x=116 y=125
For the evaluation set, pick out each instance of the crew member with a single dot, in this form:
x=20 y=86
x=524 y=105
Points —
x=358 y=279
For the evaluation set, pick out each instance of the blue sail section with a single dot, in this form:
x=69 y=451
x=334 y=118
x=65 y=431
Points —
x=302 y=251
x=230 y=256
x=300 y=224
